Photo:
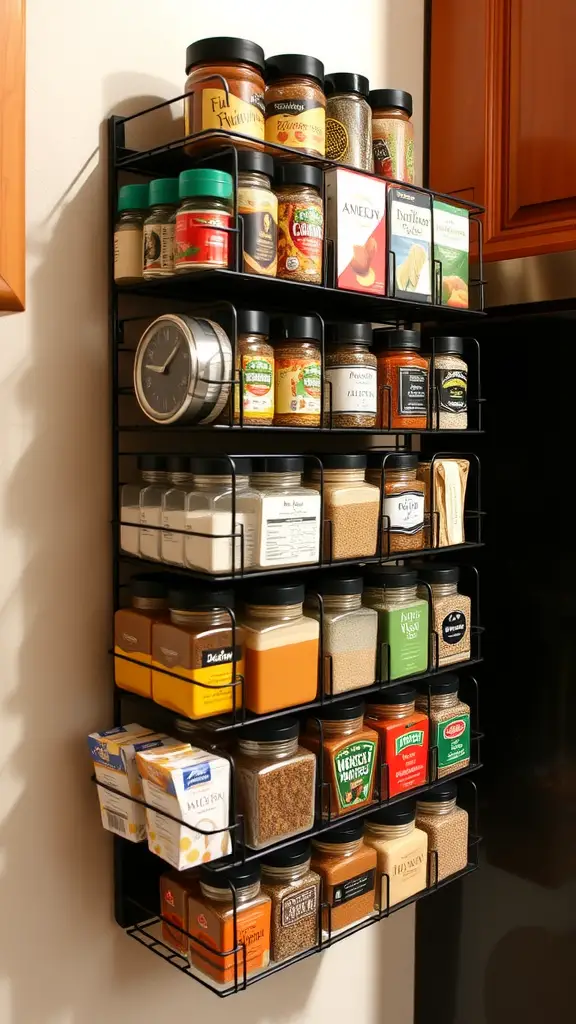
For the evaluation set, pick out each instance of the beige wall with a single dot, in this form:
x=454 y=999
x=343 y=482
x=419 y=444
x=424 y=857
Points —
x=62 y=959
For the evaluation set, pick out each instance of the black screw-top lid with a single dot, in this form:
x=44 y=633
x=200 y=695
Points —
x=149 y=585
x=186 y=598
x=152 y=463
x=285 y=65
x=290 y=856
x=397 y=339
x=253 y=321
x=295 y=327
x=396 y=814
x=276 y=593
x=284 y=464
x=454 y=346
x=338 y=583
x=272 y=731
x=241 y=876
x=436 y=572
x=343 y=710
x=394 y=460
x=253 y=160
x=299 y=174
x=345 y=81
x=448 y=683
x=215 y=465
x=401 y=694
x=219 y=49
x=440 y=794
x=335 y=460
x=357 y=333
x=343 y=834
x=392 y=576
x=383 y=98
x=179 y=464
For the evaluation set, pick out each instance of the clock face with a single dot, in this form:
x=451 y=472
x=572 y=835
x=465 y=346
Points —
x=163 y=372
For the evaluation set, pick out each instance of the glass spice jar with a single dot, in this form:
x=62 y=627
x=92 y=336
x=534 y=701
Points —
x=217 y=539
x=300 y=223
x=449 y=725
x=152 y=470
x=349 y=756
x=258 y=207
x=351 y=398
x=295 y=103
x=276 y=782
x=298 y=370
x=449 y=385
x=255 y=357
x=446 y=826
x=202 y=239
x=402 y=380
x=159 y=227
x=240 y=62
x=133 y=632
x=295 y=893
x=451 y=612
x=347 y=867
x=174 y=509
x=403 y=501
x=348 y=120
x=392 y=134
x=402 y=851
x=128 y=233
x=288 y=514
x=157 y=482
x=403 y=740
x=349 y=632
x=351 y=507
x=403 y=640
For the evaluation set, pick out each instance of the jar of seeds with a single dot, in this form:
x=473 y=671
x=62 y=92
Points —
x=351 y=507
x=403 y=499
x=450 y=385
x=446 y=826
x=449 y=725
x=350 y=632
x=451 y=613
x=295 y=893
x=351 y=377
x=348 y=120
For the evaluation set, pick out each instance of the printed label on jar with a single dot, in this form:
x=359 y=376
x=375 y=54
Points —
x=412 y=387
x=354 y=769
x=453 y=740
x=353 y=888
x=337 y=140
x=405 y=632
x=299 y=123
x=454 y=627
x=452 y=389
x=197 y=240
x=297 y=386
x=404 y=512
x=239 y=115
x=259 y=211
x=301 y=240
x=290 y=530
x=353 y=389
x=258 y=384
x=159 y=247
x=299 y=906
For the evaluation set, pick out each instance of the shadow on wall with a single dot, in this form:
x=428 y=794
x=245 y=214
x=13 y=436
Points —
x=527 y=977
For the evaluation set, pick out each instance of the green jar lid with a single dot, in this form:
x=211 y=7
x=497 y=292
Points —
x=133 y=197
x=204 y=181
x=163 y=190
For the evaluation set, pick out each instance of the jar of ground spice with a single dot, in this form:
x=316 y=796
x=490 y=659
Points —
x=403 y=734
x=403 y=615
x=202 y=236
x=255 y=357
x=258 y=207
x=226 y=87
x=295 y=103
x=348 y=120
x=446 y=826
x=300 y=223
x=276 y=782
x=349 y=756
x=349 y=632
x=288 y=514
x=298 y=370
x=159 y=228
x=128 y=233
x=347 y=868
x=451 y=612
x=449 y=725
x=403 y=499
x=402 y=851
x=295 y=893
x=449 y=385
x=350 y=507
x=392 y=134
x=402 y=380
x=350 y=376
x=133 y=632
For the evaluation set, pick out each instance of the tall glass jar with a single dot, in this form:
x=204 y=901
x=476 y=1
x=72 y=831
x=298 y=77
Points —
x=351 y=507
x=449 y=385
x=449 y=725
x=295 y=893
x=216 y=540
x=347 y=867
x=133 y=632
x=255 y=357
x=295 y=103
x=129 y=511
x=128 y=233
x=212 y=64
x=451 y=612
x=157 y=480
x=402 y=851
x=202 y=240
x=159 y=228
x=288 y=516
x=350 y=632
x=258 y=207
x=392 y=134
x=351 y=398
x=403 y=637
x=403 y=501
x=174 y=509
x=446 y=826
x=300 y=223
x=402 y=380
x=298 y=370
x=348 y=120
x=348 y=749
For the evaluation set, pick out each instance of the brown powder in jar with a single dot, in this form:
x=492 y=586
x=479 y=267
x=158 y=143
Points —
x=353 y=531
x=295 y=893
x=300 y=223
x=284 y=799
x=446 y=826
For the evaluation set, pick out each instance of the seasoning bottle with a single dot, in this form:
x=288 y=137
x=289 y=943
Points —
x=258 y=206
x=159 y=227
x=276 y=782
x=157 y=480
x=349 y=751
x=403 y=501
x=402 y=380
x=209 y=64
x=449 y=385
x=300 y=223
x=175 y=888
x=347 y=867
x=449 y=725
x=349 y=631
x=217 y=541
x=128 y=233
x=295 y=894
x=130 y=503
x=392 y=134
x=211 y=924
x=196 y=644
x=348 y=120
x=403 y=638
x=298 y=370
x=351 y=507
x=295 y=103
x=446 y=826
x=351 y=397
x=255 y=357
x=202 y=240
x=133 y=632
x=403 y=735
x=402 y=851
x=451 y=612
x=174 y=509
x=281 y=648
x=288 y=516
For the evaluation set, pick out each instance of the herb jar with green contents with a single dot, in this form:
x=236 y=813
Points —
x=348 y=120
x=403 y=639
x=159 y=228
x=202 y=240
x=128 y=233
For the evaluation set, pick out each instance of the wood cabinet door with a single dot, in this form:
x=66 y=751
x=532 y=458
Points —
x=12 y=170
x=503 y=118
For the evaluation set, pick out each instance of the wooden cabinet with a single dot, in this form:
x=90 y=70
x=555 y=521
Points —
x=12 y=169
x=503 y=118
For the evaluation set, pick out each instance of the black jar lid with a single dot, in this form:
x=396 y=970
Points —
x=218 y=49
x=392 y=576
x=214 y=465
x=289 y=857
x=440 y=794
x=294 y=327
x=343 y=834
x=338 y=583
x=398 y=339
x=283 y=464
x=272 y=731
x=152 y=463
x=356 y=333
x=149 y=585
x=299 y=174
x=448 y=683
x=401 y=694
x=187 y=598
x=437 y=573
x=179 y=464
x=253 y=160
x=335 y=460
x=276 y=594
x=253 y=321
x=287 y=65
x=380 y=99
x=449 y=344
x=343 y=710
x=396 y=814
x=240 y=876
x=394 y=460
x=344 y=81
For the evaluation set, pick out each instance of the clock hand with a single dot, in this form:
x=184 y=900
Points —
x=162 y=369
x=155 y=369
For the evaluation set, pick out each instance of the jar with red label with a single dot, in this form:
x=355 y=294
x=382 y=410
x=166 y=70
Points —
x=203 y=240
x=402 y=740
x=300 y=223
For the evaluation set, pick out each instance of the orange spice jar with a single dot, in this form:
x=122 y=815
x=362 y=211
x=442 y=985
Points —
x=133 y=632
x=241 y=63
x=403 y=735
x=402 y=380
x=347 y=868
x=349 y=756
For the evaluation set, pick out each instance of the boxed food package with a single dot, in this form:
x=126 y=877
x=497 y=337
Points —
x=410 y=244
x=451 y=253
x=356 y=222
x=450 y=477
x=193 y=786
x=175 y=888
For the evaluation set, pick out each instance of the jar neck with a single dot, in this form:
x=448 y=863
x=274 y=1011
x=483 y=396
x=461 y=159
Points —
x=442 y=589
x=200 y=619
x=251 y=338
x=277 y=750
x=181 y=478
x=435 y=808
x=285 y=874
x=392 y=112
x=215 y=483
x=150 y=604
x=342 y=602
x=136 y=217
x=390 y=475
x=161 y=209
x=285 y=481
x=206 y=202
x=253 y=179
x=337 y=850
x=389 y=831
x=344 y=728
x=340 y=476
x=155 y=476
x=437 y=701
x=392 y=595
x=248 y=892
x=309 y=192
x=390 y=710
x=274 y=612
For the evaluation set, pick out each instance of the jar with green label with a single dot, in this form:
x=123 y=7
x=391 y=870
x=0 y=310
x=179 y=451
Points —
x=403 y=637
x=159 y=228
x=449 y=725
x=255 y=358
x=349 y=751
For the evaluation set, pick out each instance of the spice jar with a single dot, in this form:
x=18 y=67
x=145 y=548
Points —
x=157 y=481
x=288 y=516
x=446 y=826
x=281 y=648
x=449 y=385
x=258 y=207
x=403 y=500
x=403 y=736
x=210 y=65
x=218 y=541
x=298 y=370
x=403 y=638
x=128 y=233
x=350 y=507
x=295 y=103
x=348 y=120
x=295 y=893
x=351 y=398
x=449 y=725
x=212 y=926
x=255 y=357
x=300 y=223
x=202 y=238
x=402 y=851
x=349 y=756
x=133 y=633
x=276 y=782
x=152 y=470
x=174 y=510
x=402 y=380
x=159 y=227
x=349 y=632
x=347 y=868
x=451 y=612
x=392 y=134
x=197 y=644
